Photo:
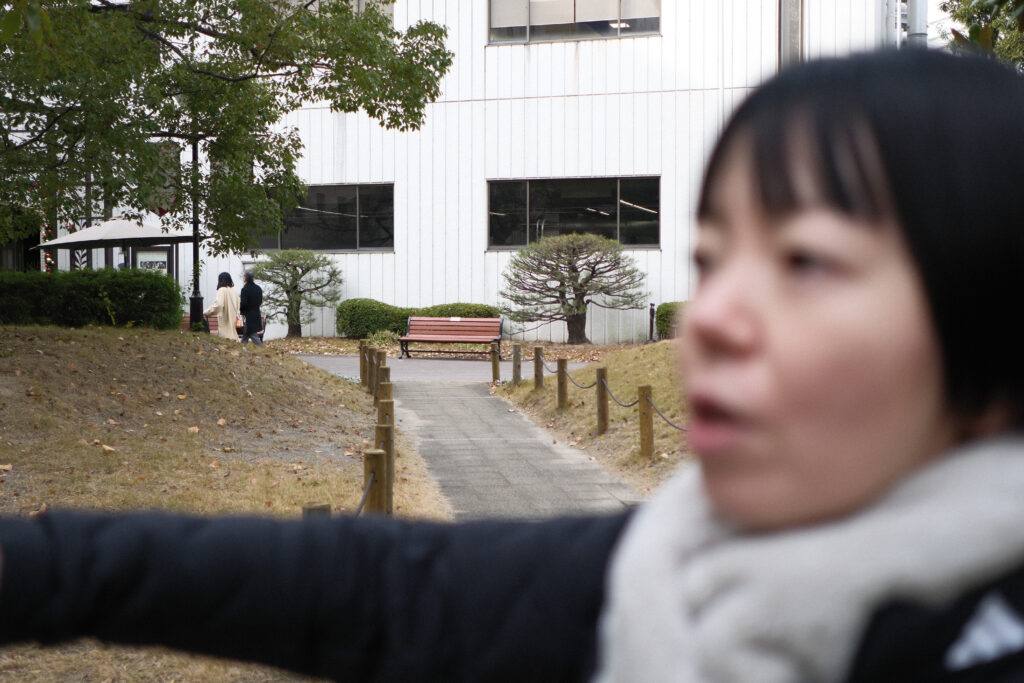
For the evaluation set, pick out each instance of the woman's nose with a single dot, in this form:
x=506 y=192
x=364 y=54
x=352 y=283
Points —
x=724 y=314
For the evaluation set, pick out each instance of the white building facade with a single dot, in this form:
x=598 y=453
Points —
x=557 y=115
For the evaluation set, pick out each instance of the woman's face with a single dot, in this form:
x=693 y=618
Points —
x=811 y=365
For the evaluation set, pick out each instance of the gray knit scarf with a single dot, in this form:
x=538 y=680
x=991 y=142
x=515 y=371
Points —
x=691 y=600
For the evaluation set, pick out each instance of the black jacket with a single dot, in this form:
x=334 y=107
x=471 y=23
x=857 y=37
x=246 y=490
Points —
x=380 y=600
x=359 y=600
x=909 y=641
x=249 y=302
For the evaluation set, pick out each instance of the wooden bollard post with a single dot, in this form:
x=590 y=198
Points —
x=602 y=400
x=563 y=383
x=646 y=417
x=316 y=510
x=384 y=439
x=538 y=367
x=362 y=362
x=386 y=408
x=495 y=364
x=517 y=364
x=375 y=463
x=383 y=377
x=385 y=389
x=371 y=369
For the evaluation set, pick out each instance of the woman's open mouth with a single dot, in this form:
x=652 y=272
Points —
x=714 y=427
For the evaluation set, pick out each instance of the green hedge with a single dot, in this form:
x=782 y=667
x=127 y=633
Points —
x=90 y=297
x=665 y=317
x=459 y=310
x=359 y=318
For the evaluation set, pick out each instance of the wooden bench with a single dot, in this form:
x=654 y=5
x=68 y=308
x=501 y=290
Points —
x=186 y=324
x=451 y=331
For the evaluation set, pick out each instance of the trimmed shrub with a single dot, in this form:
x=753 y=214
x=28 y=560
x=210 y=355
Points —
x=90 y=297
x=459 y=310
x=360 y=318
x=25 y=298
x=665 y=318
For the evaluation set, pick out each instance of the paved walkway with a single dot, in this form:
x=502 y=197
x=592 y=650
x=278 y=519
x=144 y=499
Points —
x=490 y=461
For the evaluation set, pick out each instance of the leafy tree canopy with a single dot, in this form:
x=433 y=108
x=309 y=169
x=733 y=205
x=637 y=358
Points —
x=559 y=277
x=109 y=93
x=993 y=27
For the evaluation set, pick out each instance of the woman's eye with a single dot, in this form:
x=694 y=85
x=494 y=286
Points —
x=703 y=262
x=805 y=262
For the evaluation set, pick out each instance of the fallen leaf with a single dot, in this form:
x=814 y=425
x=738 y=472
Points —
x=182 y=397
x=95 y=442
x=221 y=422
x=42 y=508
x=573 y=443
x=112 y=421
x=214 y=463
x=193 y=429
x=108 y=449
x=6 y=468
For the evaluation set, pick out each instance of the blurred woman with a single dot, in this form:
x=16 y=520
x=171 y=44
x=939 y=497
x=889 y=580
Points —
x=855 y=392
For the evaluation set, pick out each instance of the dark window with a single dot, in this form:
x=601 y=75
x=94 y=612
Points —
x=522 y=211
x=339 y=218
x=519 y=21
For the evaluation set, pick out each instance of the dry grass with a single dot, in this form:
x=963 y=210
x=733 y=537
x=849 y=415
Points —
x=127 y=419
x=629 y=366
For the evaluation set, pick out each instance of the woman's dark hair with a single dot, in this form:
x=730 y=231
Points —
x=934 y=141
x=224 y=280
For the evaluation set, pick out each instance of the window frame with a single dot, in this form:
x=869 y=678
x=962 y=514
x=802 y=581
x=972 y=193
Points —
x=358 y=248
x=529 y=40
x=527 y=209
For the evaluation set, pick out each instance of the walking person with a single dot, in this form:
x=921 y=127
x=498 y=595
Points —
x=225 y=307
x=250 y=302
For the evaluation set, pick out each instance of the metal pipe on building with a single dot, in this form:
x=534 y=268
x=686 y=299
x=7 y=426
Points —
x=917 y=23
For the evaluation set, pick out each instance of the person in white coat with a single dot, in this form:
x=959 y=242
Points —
x=225 y=307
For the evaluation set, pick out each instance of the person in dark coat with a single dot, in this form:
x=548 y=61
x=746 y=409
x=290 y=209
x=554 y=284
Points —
x=251 y=300
x=855 y=406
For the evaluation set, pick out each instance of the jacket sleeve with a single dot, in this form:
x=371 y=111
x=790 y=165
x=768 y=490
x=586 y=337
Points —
x=217 y=303
x=364 y=600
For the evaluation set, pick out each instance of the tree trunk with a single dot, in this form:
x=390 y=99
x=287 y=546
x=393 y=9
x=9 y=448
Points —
x=577 y=324
x=294 y=322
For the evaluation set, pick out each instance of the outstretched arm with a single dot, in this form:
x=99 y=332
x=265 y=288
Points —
x=367 y=600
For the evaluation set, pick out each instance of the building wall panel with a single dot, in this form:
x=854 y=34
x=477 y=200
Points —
x=636 y=106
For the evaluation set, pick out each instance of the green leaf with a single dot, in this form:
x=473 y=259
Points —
x=9 y=25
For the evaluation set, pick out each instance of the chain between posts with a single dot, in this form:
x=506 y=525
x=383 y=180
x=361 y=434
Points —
x=614 y=398
x=662 y=416
x=366 y=493
x=581 y=386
